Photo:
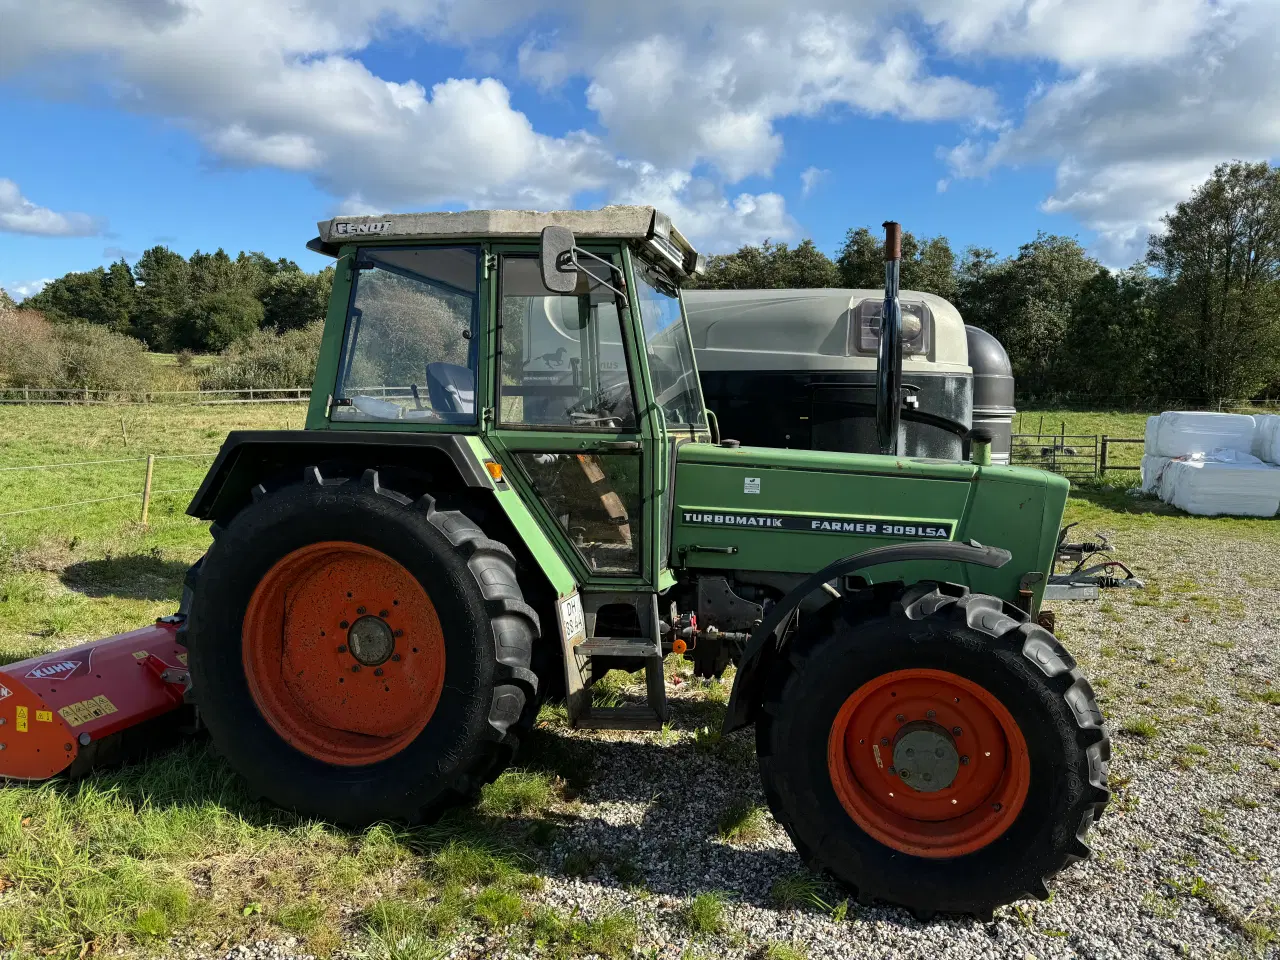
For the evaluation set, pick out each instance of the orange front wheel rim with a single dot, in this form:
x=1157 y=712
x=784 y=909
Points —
x=928 y=762
x=343 y=653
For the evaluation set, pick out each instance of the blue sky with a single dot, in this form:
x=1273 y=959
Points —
x=225 y=123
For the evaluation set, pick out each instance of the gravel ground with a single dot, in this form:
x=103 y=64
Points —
x=1185 y=860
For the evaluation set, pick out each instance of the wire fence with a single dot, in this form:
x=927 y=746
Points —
x=67 y=396
x=144 y=495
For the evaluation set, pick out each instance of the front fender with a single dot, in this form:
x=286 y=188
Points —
x=760 y=649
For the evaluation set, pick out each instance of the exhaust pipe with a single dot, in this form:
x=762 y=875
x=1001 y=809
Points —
x=889 y=357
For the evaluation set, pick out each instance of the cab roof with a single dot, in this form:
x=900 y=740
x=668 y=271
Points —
x=612 y=222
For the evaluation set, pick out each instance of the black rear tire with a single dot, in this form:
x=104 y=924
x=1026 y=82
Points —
x=489 y=634
x=987 y=642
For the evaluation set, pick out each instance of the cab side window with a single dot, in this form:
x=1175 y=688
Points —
x=563 y=364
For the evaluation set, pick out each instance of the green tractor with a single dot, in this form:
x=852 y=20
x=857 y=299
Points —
x=508 y=485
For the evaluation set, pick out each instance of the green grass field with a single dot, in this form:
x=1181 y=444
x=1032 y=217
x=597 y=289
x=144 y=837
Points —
x=125 y=860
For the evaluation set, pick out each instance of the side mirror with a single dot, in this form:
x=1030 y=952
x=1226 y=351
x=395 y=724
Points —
x=559 y=269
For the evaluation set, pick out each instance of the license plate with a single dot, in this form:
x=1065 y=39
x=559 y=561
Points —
x=573 y=625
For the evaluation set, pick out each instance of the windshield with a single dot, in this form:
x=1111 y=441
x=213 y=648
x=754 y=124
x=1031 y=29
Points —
x=671 y=368
x=409 y=352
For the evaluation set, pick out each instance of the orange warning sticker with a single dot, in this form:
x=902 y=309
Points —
x=78 y=714
x=22 y=719
x=44 y=716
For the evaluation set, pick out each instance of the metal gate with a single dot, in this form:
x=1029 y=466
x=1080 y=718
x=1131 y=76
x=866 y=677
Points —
x=1075 y=457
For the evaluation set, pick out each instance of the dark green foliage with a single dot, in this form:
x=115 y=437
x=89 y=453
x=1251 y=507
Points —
x=266 y=360
x=205 y=303
x=1220 y=300
x=771 y=265
x=1027 y=303
x=928 y=265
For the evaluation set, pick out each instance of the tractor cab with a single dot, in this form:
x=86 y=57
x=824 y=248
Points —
x=581 y=380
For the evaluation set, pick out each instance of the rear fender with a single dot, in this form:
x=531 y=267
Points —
x=248 y=457
x=762 y=648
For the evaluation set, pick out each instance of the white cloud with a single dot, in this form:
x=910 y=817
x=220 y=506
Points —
x=1130 y=139
x=676 y=85
x=20 y=291
x=1074 y=33
x=20 y=215
x=810 y=178
x=1138 y=99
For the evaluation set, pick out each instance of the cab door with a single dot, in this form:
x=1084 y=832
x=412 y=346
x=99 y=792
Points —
x=565 y=421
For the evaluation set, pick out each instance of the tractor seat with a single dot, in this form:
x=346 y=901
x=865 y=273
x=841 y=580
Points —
x=452 y=389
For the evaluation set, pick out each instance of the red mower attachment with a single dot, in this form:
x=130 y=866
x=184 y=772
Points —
x=73 y=709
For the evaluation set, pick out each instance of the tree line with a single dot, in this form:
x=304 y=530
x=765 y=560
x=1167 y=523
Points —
x=204 y=303
x=1196 y=320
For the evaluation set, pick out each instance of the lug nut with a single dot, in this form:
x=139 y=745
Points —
x=892 y=770
x=342 y=648
x=355 y=668
x=930 y=714
x=964 y=761
x=395 y=656
x=360 y=610
x=384 y=614
x=378 y=672
x=900 y=718
x=344 y=624
x=399 y=633
x=955 y=731
x=905 y=774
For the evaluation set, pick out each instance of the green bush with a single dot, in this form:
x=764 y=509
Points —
x=95 y=358
x=28 y=351
x=266 y=360
x=36 y=353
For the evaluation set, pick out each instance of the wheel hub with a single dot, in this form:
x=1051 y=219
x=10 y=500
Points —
x=928 y=762
x=371 y=641
x=926 y=757
x=343 y=652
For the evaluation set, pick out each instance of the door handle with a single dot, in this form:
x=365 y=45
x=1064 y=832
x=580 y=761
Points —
x=617 y=446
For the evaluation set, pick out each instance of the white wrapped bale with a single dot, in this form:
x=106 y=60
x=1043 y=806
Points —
x=1211 y=488
x=1266 y=437
x=1152 y=470
x=1182 y=433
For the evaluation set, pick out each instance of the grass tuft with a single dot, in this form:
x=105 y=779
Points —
x=704 y=914
x=518 y=792
x=1143 y=727
x=744 y=822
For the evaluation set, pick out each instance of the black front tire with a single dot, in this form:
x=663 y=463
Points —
x=987 y=642
x=489 y=630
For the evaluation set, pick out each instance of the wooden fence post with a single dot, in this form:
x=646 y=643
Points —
x=146 y=487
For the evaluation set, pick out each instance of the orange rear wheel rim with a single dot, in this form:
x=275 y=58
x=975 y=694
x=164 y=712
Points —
x=343 y=653
x=971 y=767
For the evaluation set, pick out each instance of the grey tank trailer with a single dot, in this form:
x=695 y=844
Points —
x=797 y=368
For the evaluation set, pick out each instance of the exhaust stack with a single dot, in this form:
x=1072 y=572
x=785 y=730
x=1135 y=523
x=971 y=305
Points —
x=889 y=357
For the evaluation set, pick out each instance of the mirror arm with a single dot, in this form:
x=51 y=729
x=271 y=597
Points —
x=572 y=257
